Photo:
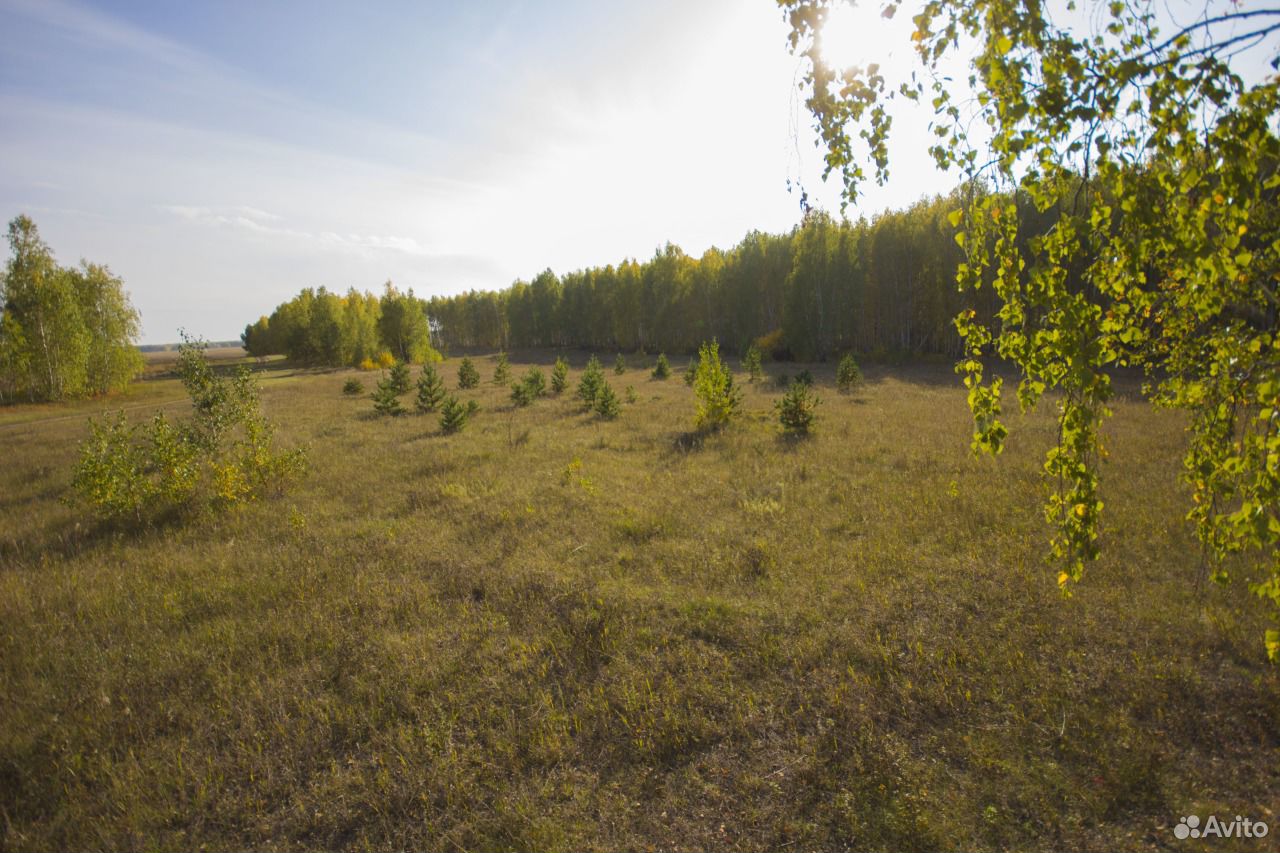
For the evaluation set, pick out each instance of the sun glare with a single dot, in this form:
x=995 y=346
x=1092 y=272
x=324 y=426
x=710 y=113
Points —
x=850 y=34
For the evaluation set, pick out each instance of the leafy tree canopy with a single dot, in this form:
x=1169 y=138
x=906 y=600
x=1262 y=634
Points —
x=1145 y=163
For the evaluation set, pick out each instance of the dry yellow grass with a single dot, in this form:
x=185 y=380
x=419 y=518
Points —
x=550 y=631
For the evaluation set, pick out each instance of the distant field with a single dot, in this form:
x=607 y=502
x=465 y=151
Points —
x=551 y=632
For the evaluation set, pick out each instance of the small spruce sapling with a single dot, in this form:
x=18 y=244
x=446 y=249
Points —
x=468 y=376
x=607 y=405
x=590 y=383
x=502 y=371
x=619 y=365
x=662 y=369
x=751 y=363
x=796 y=408
x=386 y=399
x=352 y=387
x=400 y=377
x=454 y=415
x=430 y=389
x=848 y=374
x=560 y=376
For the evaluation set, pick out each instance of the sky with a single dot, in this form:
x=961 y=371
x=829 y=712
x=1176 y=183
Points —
x=219 y=157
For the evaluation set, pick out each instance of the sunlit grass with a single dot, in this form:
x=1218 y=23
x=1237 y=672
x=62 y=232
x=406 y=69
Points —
x=551 y=631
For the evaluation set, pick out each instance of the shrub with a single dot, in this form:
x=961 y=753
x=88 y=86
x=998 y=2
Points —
x=782 y=380
x=631 y=395
x=691 y=372
x=352 y=387
x=385 y=359
x=468 y=376
x=848 y=374
x=751 y=363
x=222 y=455
x=662 y=369
x=530 y=387
x=430 y=389
x=386 y=398
x=619 y=365
x=607 y=405
x=368 y=364
x=400 y=377
x=454 y=415
x=502 y=371
x=560 y=376
x=804 y=377
x=591 y=382
x=718 y=399
x=774 y=344
x=796 y=408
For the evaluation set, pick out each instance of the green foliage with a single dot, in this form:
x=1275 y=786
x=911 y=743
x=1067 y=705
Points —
x=607 y=405
x=1122 y=210
x=619 y=365
x=530 y=387
x=631 y=395
x=399 y=377
x=468 y=376
x=848 y=374
x=221 y=457
x=386 y=398
x=805 y=377
x=591 y=382
x=797 y=408
x=352 y=387
x=430 y=389
x=751 y=362
x=64 y=332
x=718 y=399
x=502 y=371
x=662 y=369
x=691 y=372
x=454 y=415
x=559 y=375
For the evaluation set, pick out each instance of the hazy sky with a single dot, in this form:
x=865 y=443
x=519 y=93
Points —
x=221 y=156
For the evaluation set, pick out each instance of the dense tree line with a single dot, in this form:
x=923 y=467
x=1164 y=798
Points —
x=65 y=331
x=321 y=327
x=828 y=286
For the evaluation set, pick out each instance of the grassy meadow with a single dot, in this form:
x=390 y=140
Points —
x=554 y=632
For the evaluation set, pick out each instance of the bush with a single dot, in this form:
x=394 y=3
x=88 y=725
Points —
x=502 y=371
x=796 y=408
x=848 y=374
x=531 y=386
x=751 y=363
x=662 y=369
x=368 y=364
x=468 y=376
x=385 y=359
x=400 y=377
x=352 y=387
x=430 y=389
x=619 y=365
x=454 y=415
x=804 y=377
x=607 y=405
x=591 y=382
x=718 y=399
x=222 y=455
x=631 y=395
x=691 y=372
x=386 y=398
x=560 y=376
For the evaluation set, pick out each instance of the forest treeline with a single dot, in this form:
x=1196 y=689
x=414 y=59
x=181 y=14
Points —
x=828 y=286
x=64 y=331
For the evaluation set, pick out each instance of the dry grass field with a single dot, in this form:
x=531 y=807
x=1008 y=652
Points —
x=554 y=632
